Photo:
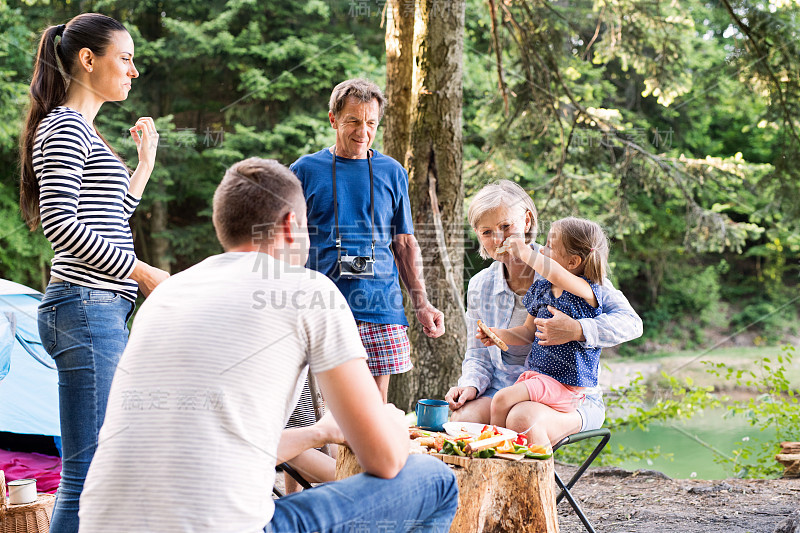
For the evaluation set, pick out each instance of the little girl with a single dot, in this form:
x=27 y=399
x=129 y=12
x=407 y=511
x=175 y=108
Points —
x=573 y=262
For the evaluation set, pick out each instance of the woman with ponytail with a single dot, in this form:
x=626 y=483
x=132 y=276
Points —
x=84 y=195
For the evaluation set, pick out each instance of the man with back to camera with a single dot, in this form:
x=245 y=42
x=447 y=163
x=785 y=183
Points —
x=362 y=232
x=196 y=410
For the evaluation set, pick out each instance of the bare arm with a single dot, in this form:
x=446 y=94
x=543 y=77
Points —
x=295 y=441
x=409 y=264
x=552 y=271
x=520 y=335
x=377 y=433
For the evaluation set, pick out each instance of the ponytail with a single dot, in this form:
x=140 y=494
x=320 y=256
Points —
x=587 y=240
x=48 y=91
x=596 y=263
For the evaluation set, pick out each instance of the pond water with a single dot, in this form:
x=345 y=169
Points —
x=689 y=457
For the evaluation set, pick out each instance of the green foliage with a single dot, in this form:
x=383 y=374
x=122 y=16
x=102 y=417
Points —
x=687 y=301
x=648 y=119
x=663 y=123
x=636 y=406
x=23 y=254
x=775 y=407
x=772 y=320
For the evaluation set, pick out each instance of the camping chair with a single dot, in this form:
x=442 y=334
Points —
x=284 y=467
x=318 y=408
x=604 y=435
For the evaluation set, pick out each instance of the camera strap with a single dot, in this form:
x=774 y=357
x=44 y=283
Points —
x=336 y=204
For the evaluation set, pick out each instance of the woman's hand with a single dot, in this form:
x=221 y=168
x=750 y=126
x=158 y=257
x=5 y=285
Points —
x=458 y=396
x=148 y=277
x=145 y=136
x=330 y=432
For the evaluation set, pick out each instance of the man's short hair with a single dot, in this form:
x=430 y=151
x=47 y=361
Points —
x=360 y=89
x=254 y=196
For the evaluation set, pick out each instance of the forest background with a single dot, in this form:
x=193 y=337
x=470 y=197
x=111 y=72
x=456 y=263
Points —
x=676 y=125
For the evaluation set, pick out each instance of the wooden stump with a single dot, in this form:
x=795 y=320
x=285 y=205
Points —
x=790 y=459
x=494 y=495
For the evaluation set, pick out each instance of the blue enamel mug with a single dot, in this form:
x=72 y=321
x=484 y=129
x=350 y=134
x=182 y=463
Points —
x=432 y=414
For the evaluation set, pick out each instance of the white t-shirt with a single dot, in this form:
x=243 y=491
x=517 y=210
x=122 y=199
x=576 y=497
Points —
x=203 y=390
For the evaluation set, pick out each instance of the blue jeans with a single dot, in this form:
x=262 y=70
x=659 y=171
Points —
x=85 y=331
x=423 y=497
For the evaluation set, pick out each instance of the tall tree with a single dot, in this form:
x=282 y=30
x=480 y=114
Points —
x=399 y=76
x=433 y=158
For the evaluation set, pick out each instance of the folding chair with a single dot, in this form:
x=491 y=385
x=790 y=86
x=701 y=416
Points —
x=284 y=467
x=317 y=405
x=605 y=435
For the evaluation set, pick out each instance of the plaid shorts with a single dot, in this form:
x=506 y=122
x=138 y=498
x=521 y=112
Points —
x=388 y=349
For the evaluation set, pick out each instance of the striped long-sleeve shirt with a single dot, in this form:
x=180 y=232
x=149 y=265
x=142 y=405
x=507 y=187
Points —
x=85 y=204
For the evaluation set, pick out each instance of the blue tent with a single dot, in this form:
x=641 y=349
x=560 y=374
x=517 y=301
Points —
x=29 y=390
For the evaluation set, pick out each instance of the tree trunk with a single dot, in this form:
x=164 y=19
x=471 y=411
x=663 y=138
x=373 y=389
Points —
x=399 y=78
x=437 y=195
x=493 y=494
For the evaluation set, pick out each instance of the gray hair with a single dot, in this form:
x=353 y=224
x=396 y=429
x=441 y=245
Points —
x=362 y=90
x=503 y=193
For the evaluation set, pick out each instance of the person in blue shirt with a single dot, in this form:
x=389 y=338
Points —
x=361 y=232
x=573 y=265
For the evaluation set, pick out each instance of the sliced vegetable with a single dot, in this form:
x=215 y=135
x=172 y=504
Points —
x=531 y=455
x=520 y=449
x=506 y=447
x=485 y=454
x=536 y=448
x=488 y=434
x=453 y=448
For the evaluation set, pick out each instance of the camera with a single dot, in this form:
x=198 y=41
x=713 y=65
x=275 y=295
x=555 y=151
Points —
x=356 y=266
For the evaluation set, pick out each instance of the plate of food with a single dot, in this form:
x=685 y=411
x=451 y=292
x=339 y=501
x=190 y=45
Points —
x=474 y=429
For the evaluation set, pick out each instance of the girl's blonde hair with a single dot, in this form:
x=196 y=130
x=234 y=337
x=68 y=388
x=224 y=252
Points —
x=587 y=240
x=503 y=193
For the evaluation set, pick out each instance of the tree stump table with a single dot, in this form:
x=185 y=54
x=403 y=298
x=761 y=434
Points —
x=790 y=459
x=493 y=494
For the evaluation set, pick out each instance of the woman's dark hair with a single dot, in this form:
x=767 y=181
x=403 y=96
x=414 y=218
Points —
x=49 y=89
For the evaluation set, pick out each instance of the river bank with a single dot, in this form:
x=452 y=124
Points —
x=620 y=371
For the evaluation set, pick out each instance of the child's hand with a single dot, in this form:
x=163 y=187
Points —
x=484 y=338
x=488 y=336
x=516 y=246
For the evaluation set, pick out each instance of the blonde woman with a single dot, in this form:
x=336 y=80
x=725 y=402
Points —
x=501 y=210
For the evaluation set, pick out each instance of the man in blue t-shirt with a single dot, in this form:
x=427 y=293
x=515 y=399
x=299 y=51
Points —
x=361 y=232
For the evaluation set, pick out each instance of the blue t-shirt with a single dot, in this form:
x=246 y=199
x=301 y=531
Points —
x=377 y=299
x=570 y=363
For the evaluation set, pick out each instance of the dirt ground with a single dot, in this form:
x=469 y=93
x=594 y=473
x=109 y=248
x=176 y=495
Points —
x=620 y=501
x=646 y=501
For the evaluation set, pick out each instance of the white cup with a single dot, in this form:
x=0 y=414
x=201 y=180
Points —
x=21 y=491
